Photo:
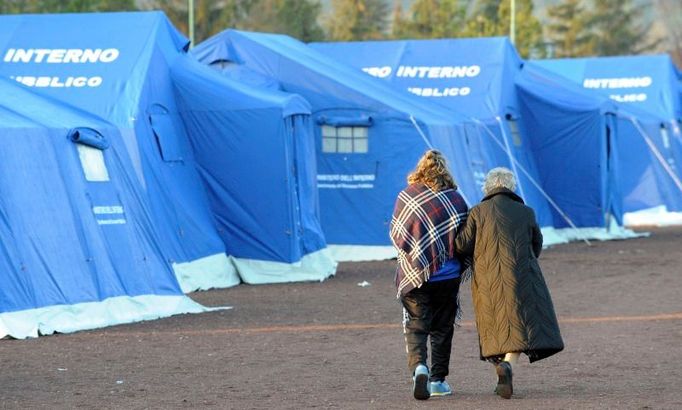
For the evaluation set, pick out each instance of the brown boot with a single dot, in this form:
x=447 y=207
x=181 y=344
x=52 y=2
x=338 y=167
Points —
x=504 y=380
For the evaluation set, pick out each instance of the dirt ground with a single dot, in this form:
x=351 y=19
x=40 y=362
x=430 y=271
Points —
x=337 y=345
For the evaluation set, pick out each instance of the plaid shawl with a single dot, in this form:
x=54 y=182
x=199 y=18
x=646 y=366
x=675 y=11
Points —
x=423 y=230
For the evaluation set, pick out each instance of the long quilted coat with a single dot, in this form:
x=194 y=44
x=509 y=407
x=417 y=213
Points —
x=513 y=307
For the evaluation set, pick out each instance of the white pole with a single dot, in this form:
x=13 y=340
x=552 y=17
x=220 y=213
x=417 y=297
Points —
x=190 y=17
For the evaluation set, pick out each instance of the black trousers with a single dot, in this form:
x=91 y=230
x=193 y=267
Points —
x=430 y=310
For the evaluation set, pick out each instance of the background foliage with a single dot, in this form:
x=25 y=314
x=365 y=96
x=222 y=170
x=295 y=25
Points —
x=552 y=28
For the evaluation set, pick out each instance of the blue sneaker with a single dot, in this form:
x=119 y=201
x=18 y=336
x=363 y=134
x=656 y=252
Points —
x=420 y=387
x=441 y=388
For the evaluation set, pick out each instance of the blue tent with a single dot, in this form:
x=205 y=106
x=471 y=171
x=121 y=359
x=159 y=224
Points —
x=255 y=153
x=648 y=88
x=590 y=149
x=539 y=119
x=141 y=79
x=116 y=65
x=80 y=248
x=368 y=136
x=570 y=135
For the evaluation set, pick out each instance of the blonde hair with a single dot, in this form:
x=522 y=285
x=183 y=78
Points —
x=499 y=178
x=432 y=171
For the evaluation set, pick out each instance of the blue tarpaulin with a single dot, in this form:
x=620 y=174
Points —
x=117 y=66
x=80 y=248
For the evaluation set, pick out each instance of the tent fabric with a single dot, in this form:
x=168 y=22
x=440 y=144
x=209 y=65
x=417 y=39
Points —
x=486 y=79
x=356 y=189
x=76 y=254
x=88 y=61
x=254 y=151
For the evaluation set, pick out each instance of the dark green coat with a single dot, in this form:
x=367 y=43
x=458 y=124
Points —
x=514 y=311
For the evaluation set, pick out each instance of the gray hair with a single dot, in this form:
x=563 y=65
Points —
x=499 y=178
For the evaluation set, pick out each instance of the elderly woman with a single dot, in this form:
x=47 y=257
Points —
x=428 y=214
x=513 y=307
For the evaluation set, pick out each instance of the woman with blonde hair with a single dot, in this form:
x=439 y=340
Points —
x=513 y=307
x=428 y=215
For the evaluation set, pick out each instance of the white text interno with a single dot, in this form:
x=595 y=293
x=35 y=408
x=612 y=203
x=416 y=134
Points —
x=620 y=83
x=430 y=73
x=627 y=82
x=60 y=55
x=407 y=71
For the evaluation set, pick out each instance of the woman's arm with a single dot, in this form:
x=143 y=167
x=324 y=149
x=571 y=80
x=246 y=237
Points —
x=466 y=238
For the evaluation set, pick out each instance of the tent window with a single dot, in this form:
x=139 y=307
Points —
x=665 y=137
x=92 y=162
x=516 y=134
x=344 y=140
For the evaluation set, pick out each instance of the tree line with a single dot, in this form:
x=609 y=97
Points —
x=572 y=28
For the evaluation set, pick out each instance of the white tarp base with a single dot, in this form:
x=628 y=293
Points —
x=359 y=253
x=552 y=236
x=657 y=216
x=316 y=266
x=92 y=315
x=215 y=271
